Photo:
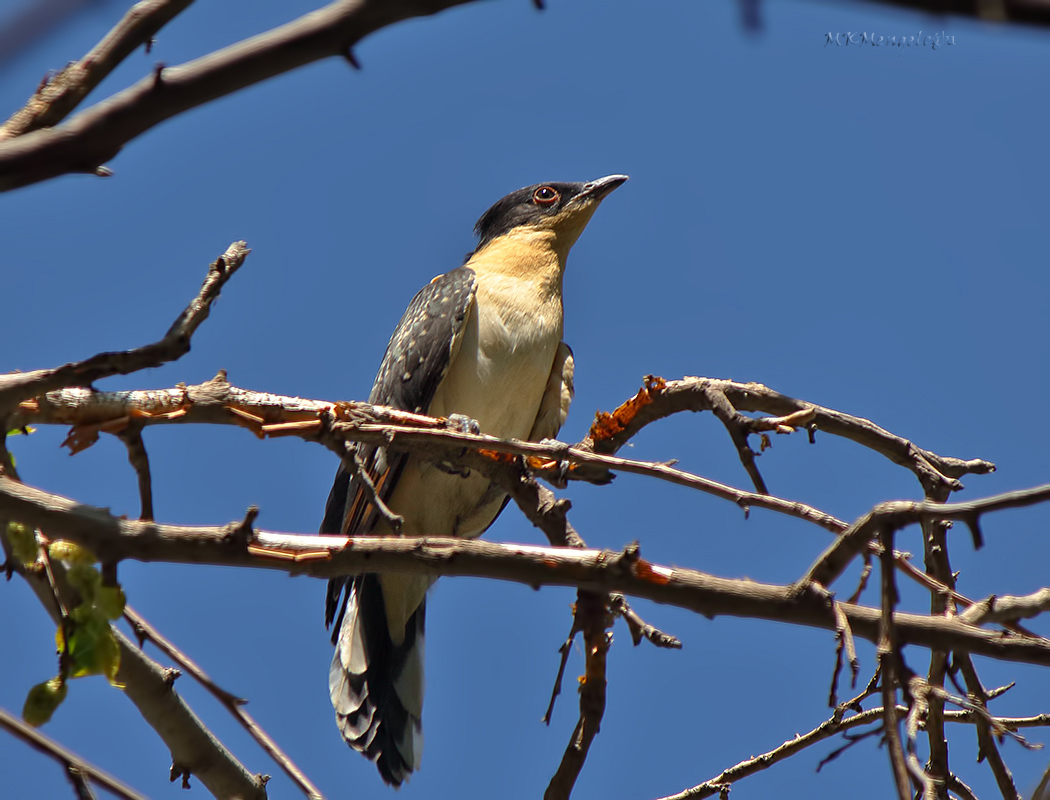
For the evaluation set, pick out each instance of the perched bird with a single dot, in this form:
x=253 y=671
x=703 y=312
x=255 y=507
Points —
x=480 y=343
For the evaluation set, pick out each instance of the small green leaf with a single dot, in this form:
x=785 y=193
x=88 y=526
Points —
x=86 y=580
x=42 y=701
x=91 y=649
x=71 y=552
x=23 y=542
x=110 y=601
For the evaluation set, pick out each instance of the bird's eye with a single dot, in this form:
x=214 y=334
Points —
x=545 y=196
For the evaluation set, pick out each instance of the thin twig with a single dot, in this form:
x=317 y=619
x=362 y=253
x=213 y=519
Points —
x=357 y=469
x=737 y=426
x=659 y=399
x=139 y=460
x=639 y=628
x=68 y=759
x=564 y=650
x=900 y=513
x=592 y=614
x=836 y=724
x=148 y=686
x=20 y=386
x=987 y=749
x=960 y=788
x=80 y=784
x=845 y=645
x=892 y=667
x=232 y=703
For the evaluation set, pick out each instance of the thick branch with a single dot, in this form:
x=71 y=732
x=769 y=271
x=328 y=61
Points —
x=61 y=93
x=194 y=750
x=217 y=401
x=1007 y=608
x=96 y=135
x=235 y=705
x=113 y=539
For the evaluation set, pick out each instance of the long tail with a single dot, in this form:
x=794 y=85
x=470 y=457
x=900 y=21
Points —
x=376 y=684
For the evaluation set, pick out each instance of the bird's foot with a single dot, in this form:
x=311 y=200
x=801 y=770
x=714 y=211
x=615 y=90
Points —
x=464 y=424
x=461 y=424
x=559 y=480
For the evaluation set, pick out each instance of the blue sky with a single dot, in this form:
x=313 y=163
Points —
x=860 y=227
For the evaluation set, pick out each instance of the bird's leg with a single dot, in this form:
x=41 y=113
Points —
x=462 y=424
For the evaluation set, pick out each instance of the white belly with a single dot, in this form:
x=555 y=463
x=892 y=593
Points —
x=497 y=377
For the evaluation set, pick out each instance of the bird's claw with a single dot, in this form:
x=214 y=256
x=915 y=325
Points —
x=464 y=424
x=559 y=480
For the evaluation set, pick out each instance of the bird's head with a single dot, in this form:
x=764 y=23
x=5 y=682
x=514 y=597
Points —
x=556 y=212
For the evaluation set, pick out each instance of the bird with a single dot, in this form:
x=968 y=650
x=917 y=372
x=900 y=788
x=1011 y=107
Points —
x=481 y=345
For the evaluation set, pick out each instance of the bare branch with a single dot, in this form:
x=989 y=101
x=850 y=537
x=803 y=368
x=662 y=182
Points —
x=593 y=618
x=232 y=703
x=640 y=629
x=17 y=387
x=838 y=723
x=844 y=646
x=564 y=651
x=659 y=399
x=67 y=759
x=218 y=402
x=113 y=539
x=901 y=513
x=891 y=665
x=1007 y=608
x=831 y=727
x=960 y=788
x=194 y=750
x=920 y=692
x=938 y=567
x=737 y=425
x=265 y=414
x=62 y=92
x=987 y=749
x=139 y=460
x=96 y=135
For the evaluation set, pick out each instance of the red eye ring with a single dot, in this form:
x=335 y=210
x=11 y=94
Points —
x=546 y=196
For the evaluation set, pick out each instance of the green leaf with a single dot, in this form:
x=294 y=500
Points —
x=42 y=701
x=92 y=649
x=71 y=552
x=110 y=601
x=23 y=542
x=86 y=580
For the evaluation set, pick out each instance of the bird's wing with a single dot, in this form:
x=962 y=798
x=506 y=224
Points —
x=554 y=407
x=416 y=360
x=375 y=681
